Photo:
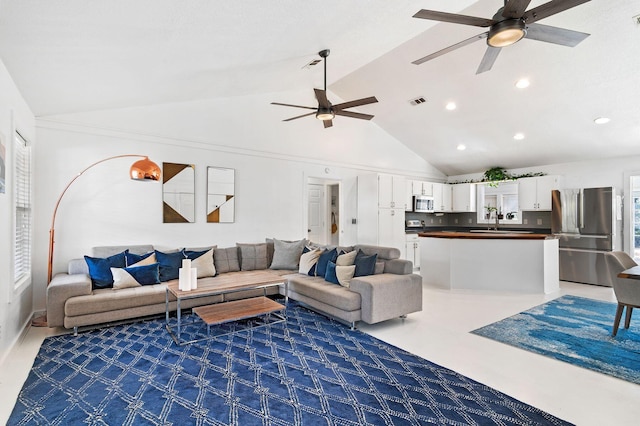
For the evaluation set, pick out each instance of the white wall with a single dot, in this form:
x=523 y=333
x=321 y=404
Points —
x=273 y=161
x=15 y=305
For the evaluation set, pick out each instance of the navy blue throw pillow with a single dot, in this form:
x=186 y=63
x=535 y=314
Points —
x=330 y=274
x=365 y=265
x=324 y=259
x=191 y=254
x=100 y=269
x=170 y=264
x=146 y=274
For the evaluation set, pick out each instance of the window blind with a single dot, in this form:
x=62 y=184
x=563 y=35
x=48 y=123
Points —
x=22 y=197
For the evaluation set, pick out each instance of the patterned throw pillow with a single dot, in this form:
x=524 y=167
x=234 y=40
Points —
x=346 y=259
x=253 y=256
x=100 y=269
x=170 y=264
x=202 y=261
x=135 y=276
x=140 y=259
x=309 y=260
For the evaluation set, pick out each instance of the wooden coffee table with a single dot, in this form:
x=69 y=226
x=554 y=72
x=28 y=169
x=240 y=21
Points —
x=226 y=311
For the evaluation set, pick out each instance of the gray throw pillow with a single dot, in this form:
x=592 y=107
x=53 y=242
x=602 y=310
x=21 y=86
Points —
x=286 y=255
x=253 y=256
x=226 y=260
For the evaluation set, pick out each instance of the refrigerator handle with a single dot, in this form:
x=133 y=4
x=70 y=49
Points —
x=581 y=209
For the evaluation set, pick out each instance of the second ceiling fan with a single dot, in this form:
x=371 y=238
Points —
x=510 y=24
x=326 y=111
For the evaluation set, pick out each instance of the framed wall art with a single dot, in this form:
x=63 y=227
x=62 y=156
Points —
x=220 y=195
x=178 y=193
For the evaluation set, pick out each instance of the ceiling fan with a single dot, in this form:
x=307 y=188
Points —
x=510 y=24
x=325 y=111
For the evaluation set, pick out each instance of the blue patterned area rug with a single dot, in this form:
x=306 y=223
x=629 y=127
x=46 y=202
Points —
x=309 y=370
x=575 y=330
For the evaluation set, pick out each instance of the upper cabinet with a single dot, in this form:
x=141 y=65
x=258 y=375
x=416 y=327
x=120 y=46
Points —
x=441 y=197
x=534 y=193
x=463 y=197
x=421 y=188
x=392 y=191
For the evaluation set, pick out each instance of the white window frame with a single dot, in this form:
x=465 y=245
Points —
x=23 y=212
x=503 y=189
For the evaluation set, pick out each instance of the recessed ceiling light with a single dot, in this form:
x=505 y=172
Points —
x=451 y=106
x=461 y=147
x=602 y=120
x=523 y=83
x=518 y=136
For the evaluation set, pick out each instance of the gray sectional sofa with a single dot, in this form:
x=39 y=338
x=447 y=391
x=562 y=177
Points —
x=394 y=291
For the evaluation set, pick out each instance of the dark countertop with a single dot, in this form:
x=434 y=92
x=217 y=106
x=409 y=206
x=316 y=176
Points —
x=503 y=235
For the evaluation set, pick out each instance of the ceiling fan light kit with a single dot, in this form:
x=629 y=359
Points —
x=510 y=24
x=326 y=111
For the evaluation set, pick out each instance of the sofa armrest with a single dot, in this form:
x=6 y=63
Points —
x=386 y=296
x=61 y=288
x=398 y=266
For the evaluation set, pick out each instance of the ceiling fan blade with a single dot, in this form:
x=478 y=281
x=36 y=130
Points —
x=490 y=56
x=299 y=116
x=550 y=8
x=295 y=106
x=321 y=96
x=359 y=102
x=354 y=115
x=454 y=18
x=327 y=123
x=450 y=48
x=555 y=35
x=515 y=8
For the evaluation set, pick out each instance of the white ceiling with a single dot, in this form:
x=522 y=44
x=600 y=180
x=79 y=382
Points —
x=82 y=55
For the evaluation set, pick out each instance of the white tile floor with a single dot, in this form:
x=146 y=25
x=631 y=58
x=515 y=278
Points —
x=440 y=333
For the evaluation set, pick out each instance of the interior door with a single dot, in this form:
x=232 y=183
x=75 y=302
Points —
x=316 y=223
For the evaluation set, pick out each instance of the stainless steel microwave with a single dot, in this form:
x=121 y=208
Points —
x=423 y=204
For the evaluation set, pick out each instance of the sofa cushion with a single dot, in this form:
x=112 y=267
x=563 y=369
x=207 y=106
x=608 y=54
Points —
x=309 y=260
x=341 y=275
x=324 y=259
x=100 y=269
x=202 y=261
x=384 y=253
x=318 y=289
x=170 y=264
x=226 y=260
x=135 y=276
x=252 y=256
x=365 y=265
x=106 y=251
x=286 y=255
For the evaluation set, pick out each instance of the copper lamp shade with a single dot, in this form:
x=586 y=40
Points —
x=145 y=169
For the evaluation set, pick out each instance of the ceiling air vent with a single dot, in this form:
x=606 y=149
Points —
x=418 y=101
x=312 y=63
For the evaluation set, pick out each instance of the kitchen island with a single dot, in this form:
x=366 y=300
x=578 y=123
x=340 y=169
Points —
x=490 y=260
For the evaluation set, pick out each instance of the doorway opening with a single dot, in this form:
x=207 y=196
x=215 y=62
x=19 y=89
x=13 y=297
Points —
x=323 y=211
x=635 y=217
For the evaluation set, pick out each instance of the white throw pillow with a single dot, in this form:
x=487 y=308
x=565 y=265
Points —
x=346 y=259
x=345 y=274
x=308 y=260
x=204 y=264
x=123 y=279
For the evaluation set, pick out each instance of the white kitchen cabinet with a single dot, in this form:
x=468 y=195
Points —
x=534 y=193
x=392 y=192
x=422 y=188
x=463 y=198
x=441 y=197
x=412 y=248
x=378 y=225
x=409 y=196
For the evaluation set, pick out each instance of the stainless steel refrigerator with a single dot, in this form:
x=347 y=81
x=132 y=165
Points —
x=586 y=222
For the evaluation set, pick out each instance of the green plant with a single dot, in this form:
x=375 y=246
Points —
x=495 y=175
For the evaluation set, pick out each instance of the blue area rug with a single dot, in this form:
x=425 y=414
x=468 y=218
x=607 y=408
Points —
x=575 y=330
x=309 y=370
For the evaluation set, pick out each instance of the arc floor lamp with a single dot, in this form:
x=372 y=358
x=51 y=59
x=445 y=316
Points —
x=141 y=170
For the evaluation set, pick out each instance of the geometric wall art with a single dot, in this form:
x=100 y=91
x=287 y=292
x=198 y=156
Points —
x=178 y=193
x=221 y=198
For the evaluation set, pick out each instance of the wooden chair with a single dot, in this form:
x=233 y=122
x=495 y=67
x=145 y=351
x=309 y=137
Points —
x=627 y=290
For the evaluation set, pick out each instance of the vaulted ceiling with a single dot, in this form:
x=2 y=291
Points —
x=76 y=55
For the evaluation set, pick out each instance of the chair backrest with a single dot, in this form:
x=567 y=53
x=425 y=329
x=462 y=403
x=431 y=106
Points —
x=627 y=290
